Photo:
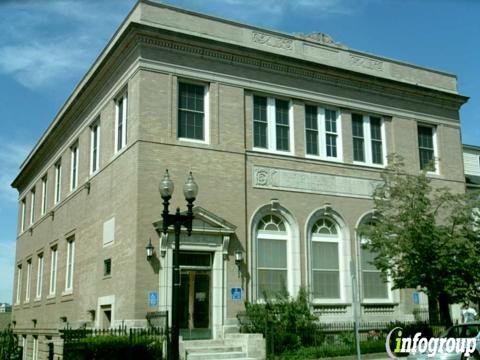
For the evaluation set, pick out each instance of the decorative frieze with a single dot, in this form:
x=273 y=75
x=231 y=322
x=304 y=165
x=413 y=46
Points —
x=318 y=183
x=272 y=41
x=366 y=63
x=308 y=73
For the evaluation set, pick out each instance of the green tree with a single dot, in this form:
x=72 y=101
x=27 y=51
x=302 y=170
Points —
x=426 y=237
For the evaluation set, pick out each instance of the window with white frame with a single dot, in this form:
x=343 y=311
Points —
x=322 y=133
x=74 y=153
x=53 y=270
x=121 y=122
x=426 y=147
x=193 y=111
x=44 y=194
x=70 y=263
x=325 y=259
x=32 y=206
x=368 y=139
x=58 y=181
x=38 y=294
x=18 y=295
x=272 y=124
x=24 y=347
x=271 y=239
x=373 y=284
x=27 y=285
x=23 y=214
x=94 y=146
x=35 y=348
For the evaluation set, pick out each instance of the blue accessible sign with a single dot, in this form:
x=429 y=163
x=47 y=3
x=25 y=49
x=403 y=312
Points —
x=236 y=293
x=416 y=298
x=152 y=298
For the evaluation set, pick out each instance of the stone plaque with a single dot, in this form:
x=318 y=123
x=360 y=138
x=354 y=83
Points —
x=281 y=179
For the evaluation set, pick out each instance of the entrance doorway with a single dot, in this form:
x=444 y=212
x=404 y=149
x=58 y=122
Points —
x=195 y=295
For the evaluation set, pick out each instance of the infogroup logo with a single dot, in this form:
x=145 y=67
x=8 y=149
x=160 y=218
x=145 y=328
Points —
x=431 y=347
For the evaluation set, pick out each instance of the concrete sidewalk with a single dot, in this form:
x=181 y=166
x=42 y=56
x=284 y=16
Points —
x=378 y=356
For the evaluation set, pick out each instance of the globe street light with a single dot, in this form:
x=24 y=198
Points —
x=190 y=190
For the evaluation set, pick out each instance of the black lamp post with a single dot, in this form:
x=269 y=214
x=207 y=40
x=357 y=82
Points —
x=190 y=190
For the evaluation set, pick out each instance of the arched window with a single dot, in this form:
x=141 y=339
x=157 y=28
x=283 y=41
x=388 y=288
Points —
x=374 y=287
x=325 y=238
x=272 y=236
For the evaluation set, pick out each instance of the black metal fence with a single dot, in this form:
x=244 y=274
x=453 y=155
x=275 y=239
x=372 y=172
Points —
x=79 y=341
x=339 y=338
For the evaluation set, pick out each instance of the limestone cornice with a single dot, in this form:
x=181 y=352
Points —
x=265 y=61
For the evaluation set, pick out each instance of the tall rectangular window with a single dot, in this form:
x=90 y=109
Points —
x=23 y=213
x=18 y=295
x=373 y=285
x=44 y=194
x=311 y=130
x=192 y=111
x=107 y=267
x=272 y=122
x=58 y=181
x=74 y=167
x=260 y=124
x=368 y=139
x=322 y=133
x=32 y=206
x=426 y=147
x=53 y=270
x=376 y=140
x=27 y=285
x=282 y=125
x=24 y=347
x=39 y=276
x=94 y=146
x=331 y=132
x=358 y=138
x=35 y=348
x=121 y=122
x=70 y=263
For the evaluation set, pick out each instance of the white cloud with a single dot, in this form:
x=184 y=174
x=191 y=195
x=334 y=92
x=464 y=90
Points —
x=37 y=64
x=50 y=41
x=12 y=155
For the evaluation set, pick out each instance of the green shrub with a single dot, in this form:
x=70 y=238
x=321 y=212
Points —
x=9 y=349
x=286 y=322
x=115 y=347
x=333 y=348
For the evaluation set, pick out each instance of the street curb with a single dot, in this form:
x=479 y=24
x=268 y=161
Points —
x=354 y=357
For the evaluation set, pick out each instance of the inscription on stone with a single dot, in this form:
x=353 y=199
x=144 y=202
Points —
x=366 y=63
x=272 y=41
x=281 y=179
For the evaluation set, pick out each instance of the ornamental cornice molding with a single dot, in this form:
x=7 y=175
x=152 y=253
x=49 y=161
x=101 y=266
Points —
x=353 y=81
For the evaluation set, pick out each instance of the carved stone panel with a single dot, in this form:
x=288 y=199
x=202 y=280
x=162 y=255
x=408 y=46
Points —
x=281 y=179
x=366 y=63
x=272 y=41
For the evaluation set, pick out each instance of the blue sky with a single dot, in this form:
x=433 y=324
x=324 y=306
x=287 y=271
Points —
x=46 y=46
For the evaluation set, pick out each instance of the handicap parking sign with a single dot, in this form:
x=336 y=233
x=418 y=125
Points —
x=152 y=298
x=236 y=293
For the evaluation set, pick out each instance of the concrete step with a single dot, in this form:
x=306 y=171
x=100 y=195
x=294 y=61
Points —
x=231 y=329
x=216 y=355
x=213 y=349
x=201 y=343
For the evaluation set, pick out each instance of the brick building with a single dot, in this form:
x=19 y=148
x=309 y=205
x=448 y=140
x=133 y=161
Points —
x=286 y=136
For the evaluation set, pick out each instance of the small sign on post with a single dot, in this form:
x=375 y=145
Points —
x=152 y=298
x=416 y=298
x=236 y=293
